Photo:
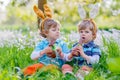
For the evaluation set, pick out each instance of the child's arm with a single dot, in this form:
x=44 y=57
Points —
x=73 y=53
x=35 y=55
x=59 y=51
x=89 y=59
x=62 y=55
x=39 y=51
x=96 y=55
x=94 y=59
x=63 y=50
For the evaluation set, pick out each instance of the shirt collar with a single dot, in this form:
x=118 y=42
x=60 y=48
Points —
x=57 y=41
x=89 y=44
x=47 y=42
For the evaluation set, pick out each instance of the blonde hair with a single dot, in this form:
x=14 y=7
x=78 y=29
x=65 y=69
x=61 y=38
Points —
x=46 y=25
x=88 y=23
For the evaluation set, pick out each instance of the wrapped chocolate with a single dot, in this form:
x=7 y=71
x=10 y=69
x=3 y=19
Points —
x=78 y=44
x=52 y=54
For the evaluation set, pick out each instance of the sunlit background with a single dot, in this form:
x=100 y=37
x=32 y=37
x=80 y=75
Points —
x=20 y=13
x=19 y=35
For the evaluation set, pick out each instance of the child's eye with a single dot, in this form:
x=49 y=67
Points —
x=81 y=31
x=54 y=30
x=86 y=31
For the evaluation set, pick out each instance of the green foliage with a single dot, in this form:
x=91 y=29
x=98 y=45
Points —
x=67 y=28
x=66 y=14
x=114 y=64
x=19 y=3
x=47 y=75
x=109 y=27
x=20 y=17
x=24 y=18
x=7 y=75
x=113 y=47
x=14 y=57
x=113 y=57
x=11 y=57
x=108 y=66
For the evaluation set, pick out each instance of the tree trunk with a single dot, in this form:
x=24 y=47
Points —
x=40 y=6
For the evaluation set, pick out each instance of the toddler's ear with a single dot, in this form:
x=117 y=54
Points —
x=94 y=36
x=45 y=32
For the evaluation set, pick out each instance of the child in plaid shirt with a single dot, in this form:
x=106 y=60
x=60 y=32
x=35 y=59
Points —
x=85 y=52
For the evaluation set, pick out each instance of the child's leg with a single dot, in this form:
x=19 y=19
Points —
x=86 y=68
x=82 y=72
x=66 y=68
x=32 y=69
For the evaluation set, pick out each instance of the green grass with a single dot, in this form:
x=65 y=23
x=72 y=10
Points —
x=109 y=27
x=12 y=57
x=68 y=27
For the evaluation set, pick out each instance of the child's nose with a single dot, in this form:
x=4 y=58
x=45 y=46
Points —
x=83 y=33
x=58 y=31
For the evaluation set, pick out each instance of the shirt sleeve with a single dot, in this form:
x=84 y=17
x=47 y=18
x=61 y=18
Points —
x=94 y=59
x=96 y=53
x=69 y=52
x=65 y=50
x=36 y=53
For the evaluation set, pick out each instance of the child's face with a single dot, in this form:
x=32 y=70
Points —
x=86 y=35
x=53 y=33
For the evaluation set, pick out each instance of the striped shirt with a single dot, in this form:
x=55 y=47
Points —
x=90 y=49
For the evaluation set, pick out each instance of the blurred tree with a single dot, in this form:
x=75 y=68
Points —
x=40 y=6
x=20 y=2
x=65 y=11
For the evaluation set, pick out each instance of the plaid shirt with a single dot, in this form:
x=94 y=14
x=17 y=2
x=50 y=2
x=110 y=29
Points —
x=89 y=49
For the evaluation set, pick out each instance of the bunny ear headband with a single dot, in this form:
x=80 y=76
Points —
x=92 y=14
x=47 y=12
x=43 y=15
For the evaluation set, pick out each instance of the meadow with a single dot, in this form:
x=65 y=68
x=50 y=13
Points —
x=19 y=35
x=16 y=47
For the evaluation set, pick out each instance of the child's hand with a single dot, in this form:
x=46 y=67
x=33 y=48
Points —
x=48 y=50
x=82 y=54
x=75 y=52
x=80 y=50
x=59 y=50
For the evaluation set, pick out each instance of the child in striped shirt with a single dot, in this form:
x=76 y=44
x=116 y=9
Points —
x=85 y=52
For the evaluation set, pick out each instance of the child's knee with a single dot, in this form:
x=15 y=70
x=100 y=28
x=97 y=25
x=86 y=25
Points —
x=66 y=68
